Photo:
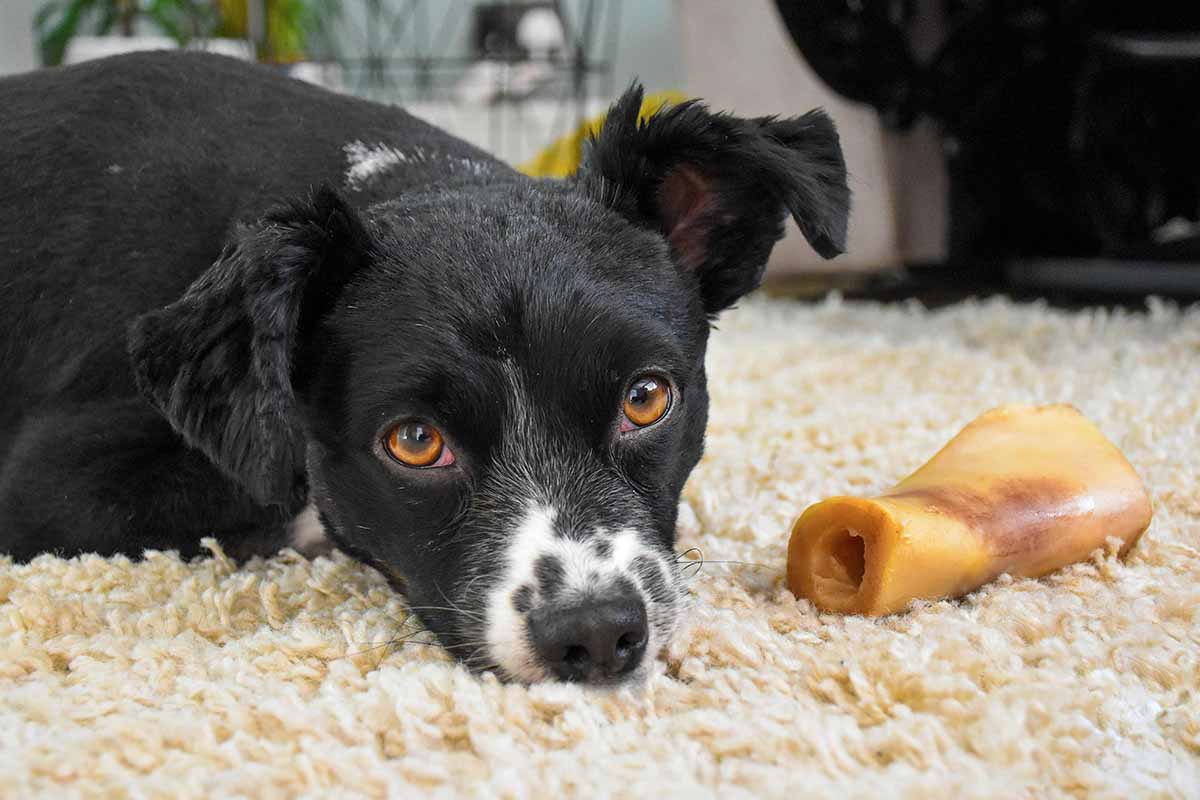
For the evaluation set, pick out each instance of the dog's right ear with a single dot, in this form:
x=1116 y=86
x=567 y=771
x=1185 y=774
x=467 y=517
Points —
x=717 y=187
x=218 y=362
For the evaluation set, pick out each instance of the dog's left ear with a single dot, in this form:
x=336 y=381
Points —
x=218 y=362
x=718 y=186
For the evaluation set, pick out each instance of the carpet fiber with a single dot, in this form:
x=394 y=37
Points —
x=162 y=678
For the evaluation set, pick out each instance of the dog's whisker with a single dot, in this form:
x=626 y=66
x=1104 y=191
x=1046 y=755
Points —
x=455 y=607
x=686 y=564
x=478 y=660
x=700 y=562
x=471 y=583
x=477 y=643
x=404 y=639
x=438 y=645
x=408 y=635
x=454 y=610
x=362 y=652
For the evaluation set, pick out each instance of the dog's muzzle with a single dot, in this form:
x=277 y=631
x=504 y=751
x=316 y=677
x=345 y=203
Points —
x=582 y=605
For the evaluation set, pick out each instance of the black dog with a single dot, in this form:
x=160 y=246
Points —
x=491 y=387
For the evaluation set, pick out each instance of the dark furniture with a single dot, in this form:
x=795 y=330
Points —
x=1071 y=132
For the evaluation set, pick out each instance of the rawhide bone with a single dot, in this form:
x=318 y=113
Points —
x=1022 y=490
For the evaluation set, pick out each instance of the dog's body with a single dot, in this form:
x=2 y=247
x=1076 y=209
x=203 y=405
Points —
x=186 y=357
x=124 y=180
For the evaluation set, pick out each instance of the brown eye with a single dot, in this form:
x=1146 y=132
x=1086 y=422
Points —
x=416 y=444
x=647 y=400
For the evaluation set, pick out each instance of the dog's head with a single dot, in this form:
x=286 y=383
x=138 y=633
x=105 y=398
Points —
x=495 y=393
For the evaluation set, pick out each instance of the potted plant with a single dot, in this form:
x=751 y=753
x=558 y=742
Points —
x=75 y=30
x=285 y=31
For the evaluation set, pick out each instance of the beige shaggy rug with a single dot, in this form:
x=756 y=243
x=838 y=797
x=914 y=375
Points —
x=170 y=679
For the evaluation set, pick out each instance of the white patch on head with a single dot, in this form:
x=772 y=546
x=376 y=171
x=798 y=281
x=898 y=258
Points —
x=306 y=534
x=364 y=162
x=587 y=573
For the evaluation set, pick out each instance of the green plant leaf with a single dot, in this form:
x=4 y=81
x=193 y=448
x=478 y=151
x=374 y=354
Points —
x=109 y=15
x=56 y=24
x=165 y=15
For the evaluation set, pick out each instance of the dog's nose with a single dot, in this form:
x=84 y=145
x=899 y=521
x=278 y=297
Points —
x=593 y=642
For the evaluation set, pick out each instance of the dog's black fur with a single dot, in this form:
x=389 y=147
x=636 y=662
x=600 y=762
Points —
x=200 y=334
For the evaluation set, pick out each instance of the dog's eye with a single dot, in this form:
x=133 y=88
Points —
x=417 y=444
x=647 y=400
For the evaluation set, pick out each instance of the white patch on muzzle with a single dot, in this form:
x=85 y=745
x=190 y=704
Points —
x=586 y=574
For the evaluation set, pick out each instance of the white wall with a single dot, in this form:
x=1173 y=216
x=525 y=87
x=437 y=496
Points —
x=647 y=48
x=739 y=57
x=16 y=36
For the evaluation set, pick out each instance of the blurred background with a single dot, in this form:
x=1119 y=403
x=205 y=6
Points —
x=1040 y=148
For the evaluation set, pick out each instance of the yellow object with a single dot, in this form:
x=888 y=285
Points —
x=287 y=25
x=561 y=159
x=1022 y=489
